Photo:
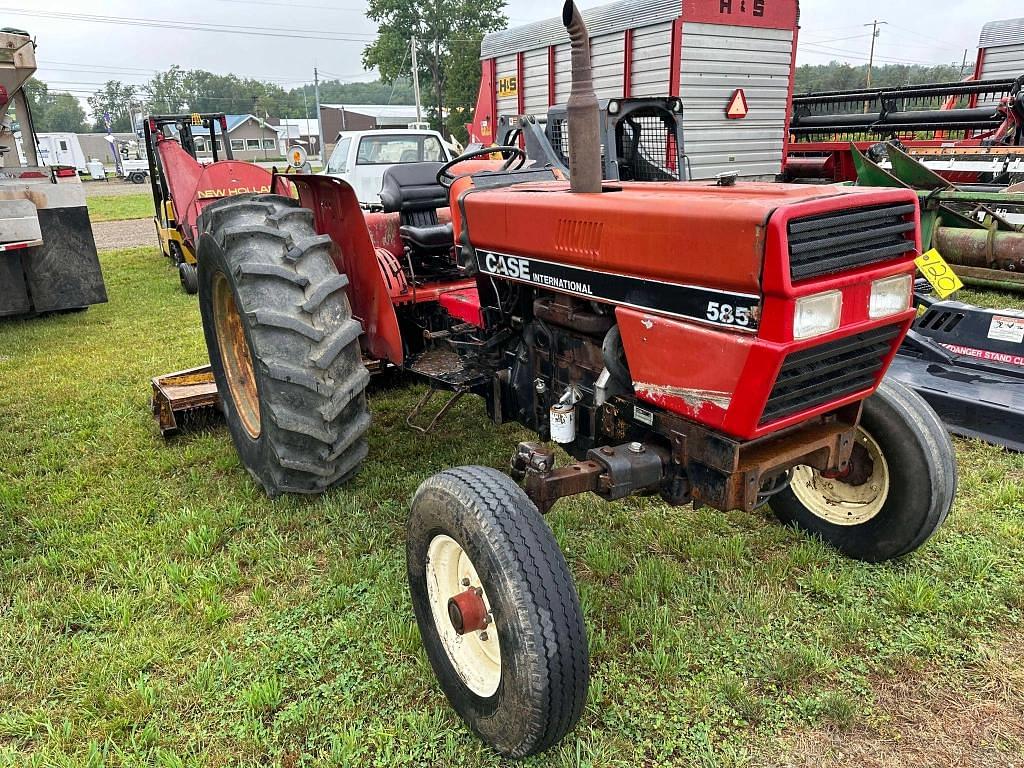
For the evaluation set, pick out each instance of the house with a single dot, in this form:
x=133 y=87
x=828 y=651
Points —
x=250 y=137
x=363 y=117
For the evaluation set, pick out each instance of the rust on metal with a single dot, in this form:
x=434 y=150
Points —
x=981 y=248
x=582 y=108
x=467 y=611
x=236 y=356
x=180 y=393
x=545 y=488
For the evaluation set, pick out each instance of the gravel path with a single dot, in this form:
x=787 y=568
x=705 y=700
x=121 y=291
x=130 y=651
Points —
x=129 y=233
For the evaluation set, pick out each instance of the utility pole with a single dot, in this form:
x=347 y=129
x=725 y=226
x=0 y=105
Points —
x=319 y=118
x=871 y=56
x=963 y=64
x=415 y=78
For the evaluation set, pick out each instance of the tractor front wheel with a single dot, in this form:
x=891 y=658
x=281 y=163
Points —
x=283 y=345
x=497 y=610
x=189 y=278
x=896 y=491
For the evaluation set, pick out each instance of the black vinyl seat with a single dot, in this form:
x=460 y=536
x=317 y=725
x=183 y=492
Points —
x=412 y=191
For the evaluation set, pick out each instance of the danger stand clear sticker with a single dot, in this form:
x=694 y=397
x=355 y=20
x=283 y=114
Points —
x=1006 y=328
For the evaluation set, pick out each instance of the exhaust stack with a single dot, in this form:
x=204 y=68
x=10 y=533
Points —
x=582 y=109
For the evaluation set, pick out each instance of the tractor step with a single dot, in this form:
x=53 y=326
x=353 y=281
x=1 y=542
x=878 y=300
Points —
x=445 y=368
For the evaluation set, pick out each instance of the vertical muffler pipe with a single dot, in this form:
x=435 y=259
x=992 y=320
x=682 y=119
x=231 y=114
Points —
x=582 y=110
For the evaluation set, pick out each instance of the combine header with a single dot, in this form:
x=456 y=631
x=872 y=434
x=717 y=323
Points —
x=968 y=131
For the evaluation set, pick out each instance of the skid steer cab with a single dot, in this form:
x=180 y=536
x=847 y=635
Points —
x=184 y=183
x=719 y=344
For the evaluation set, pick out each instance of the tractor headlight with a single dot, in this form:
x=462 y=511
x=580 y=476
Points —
x=817 y=314
x=889 y=296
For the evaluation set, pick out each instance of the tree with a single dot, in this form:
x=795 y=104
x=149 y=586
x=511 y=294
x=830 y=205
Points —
x=65 y=114
x=165 y=93
x=116 y=99
x=448 y=34
x=39 y=100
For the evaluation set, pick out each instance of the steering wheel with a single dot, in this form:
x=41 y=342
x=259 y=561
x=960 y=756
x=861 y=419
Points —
x=511 y=154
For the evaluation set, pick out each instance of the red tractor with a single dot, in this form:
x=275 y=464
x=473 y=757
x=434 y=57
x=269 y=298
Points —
x=721 y=344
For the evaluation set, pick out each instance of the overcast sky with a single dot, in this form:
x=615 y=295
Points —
x=78 y=55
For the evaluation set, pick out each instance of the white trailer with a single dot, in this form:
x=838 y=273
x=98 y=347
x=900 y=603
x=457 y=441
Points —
x=731 y=62
x=61 y=149
x=1000 y=50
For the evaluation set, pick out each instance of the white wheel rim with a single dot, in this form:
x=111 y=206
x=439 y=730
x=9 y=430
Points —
x=476 y=656
x=840 y=503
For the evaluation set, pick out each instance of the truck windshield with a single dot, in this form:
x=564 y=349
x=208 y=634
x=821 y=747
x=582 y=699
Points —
x=339 y=157
x=399 y=148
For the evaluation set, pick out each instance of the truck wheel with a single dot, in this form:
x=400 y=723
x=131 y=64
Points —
x=497 y=610
x=137 y=178
x=283 y=345
x=897 y=490
x=189 y=278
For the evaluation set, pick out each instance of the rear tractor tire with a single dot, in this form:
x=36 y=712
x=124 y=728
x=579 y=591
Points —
x=283 y=344
x=497 y=610
x=897 y=491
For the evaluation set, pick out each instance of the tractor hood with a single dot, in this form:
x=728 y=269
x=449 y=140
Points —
x=695 y=233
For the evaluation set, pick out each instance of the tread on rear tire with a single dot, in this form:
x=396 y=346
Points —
x=544 y=663
x=310 y=381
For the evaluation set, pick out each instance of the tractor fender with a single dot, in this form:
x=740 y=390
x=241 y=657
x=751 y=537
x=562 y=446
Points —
x=336 y=213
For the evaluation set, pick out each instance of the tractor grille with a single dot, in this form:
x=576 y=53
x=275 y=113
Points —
x=829 y=372
x=834 y=242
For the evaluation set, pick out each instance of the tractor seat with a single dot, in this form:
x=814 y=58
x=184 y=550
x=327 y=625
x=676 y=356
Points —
x=412 y=191
x=432 y=237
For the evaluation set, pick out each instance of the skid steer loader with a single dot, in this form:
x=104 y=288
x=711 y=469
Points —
x=721 y=344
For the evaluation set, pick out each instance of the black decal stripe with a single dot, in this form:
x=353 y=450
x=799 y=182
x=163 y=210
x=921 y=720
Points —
x=676 y=299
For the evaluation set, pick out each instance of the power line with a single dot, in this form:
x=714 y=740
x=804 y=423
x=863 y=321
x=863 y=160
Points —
x=191 y=26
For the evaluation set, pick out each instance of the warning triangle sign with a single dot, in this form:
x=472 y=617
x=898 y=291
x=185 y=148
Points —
x=737 y=105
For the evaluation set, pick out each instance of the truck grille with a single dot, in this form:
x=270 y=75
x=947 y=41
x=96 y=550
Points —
x=829 y=372
x=841 y=240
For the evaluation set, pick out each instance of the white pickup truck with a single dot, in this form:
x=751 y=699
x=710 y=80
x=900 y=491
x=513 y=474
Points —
x=361 y=157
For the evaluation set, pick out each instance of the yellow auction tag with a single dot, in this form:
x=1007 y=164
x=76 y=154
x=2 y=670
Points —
x=937 y=272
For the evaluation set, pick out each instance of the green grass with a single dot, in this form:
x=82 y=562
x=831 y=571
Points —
x=118 y=207
x=157 y=609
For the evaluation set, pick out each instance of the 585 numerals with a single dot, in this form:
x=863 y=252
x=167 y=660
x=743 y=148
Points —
x=728 y=314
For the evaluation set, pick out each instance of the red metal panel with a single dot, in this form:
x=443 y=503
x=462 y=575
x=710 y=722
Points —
x=789 y=97
x=772 y=14
x=337 y=213
x=482 y=128
x=551 y=75
x=627 y=64
x=520 y=83
x=978 y=66
x=676 y=58
x=193 y=186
